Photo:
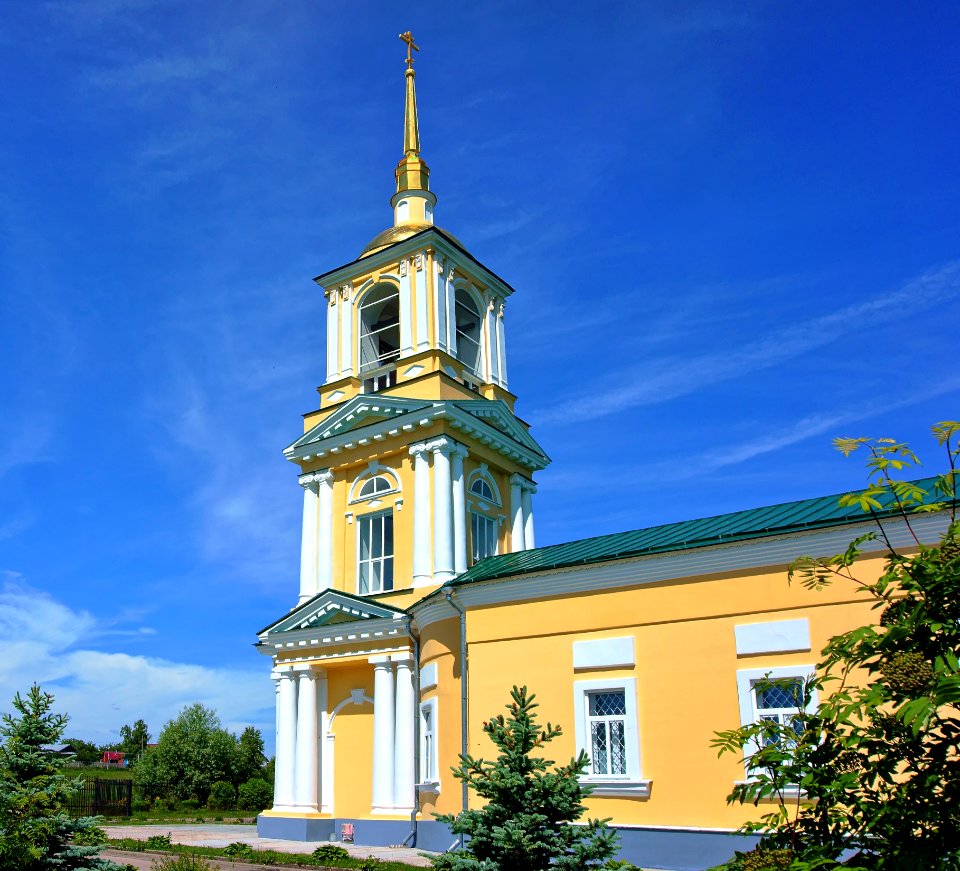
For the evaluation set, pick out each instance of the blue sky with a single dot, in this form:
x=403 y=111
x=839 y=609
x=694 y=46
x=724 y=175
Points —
x=733 y=229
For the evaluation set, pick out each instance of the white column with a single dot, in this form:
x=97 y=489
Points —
x=441 y=318
x=516 y=513
x=346 y=330
x=490 y=343
x=526 y=500
x=308 y=540
x=324 y=531
x=283 y=796
x=406 y=310
x=459 y=512
x=442 y=510
x=451 y=303
x=423 y=333
x=305 y=780
x=403 y=772
x=421 y=514
x=502 y=345
x=384 y=713
x=333 y=336
x=323 y=720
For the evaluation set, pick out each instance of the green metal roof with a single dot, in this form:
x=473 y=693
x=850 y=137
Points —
x=807 y=514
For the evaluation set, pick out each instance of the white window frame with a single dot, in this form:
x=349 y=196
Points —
x=631 y=783
x=748 y=678
x=493 y=524
x=374 y=470
x=364 y=303
x=372 y=516
x=429 y=780
x=480 y=311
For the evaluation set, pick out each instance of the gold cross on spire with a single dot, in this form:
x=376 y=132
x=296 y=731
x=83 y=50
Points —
x=411 y=46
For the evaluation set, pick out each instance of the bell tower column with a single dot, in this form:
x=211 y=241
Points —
x=459 y=511
x=421 y=514
x=308 y=541
x=442 y=510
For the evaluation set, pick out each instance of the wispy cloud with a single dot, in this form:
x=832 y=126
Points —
x=102 y=691
x=660 y=380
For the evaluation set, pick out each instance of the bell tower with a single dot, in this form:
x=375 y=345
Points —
x=414 y=466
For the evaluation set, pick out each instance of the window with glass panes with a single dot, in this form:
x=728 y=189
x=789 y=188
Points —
x=780 y=702
x=606 y=720
x=375 y=553
x=427 y=760
x=468 y=324
x=484 y=533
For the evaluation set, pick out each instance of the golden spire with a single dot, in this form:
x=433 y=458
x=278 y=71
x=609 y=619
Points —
x=412 y=172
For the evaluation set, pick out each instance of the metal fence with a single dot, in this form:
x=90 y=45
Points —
x=108 y=797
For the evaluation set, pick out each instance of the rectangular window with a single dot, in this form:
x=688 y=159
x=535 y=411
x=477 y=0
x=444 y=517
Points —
x=380 y=382
x=484 y=534
x=606 y=716
x=780 y=703
x=607 y=730
x=375 y=553
x=429 y=774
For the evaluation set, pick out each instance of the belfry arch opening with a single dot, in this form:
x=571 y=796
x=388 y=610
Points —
x=469 y=324
x=379 y=327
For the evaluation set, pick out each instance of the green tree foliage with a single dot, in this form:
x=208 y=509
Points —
x=527 y=821
x=193 y=752
x=223 y=796
x=134 y=739
x=250 y=758
x=35 y=832
x=85 y=752
x=877 y=763
x=254 y=795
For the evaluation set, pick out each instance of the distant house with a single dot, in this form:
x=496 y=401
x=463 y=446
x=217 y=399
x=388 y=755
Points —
x=113 y=757
x=61 y=749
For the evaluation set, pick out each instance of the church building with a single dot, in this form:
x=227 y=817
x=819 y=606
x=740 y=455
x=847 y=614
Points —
x=423 y=597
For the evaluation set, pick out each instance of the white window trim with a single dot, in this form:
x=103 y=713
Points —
x=431 y=782
x=483 y=471
x=356 y=563
x=746 y=679
x=496 y=534
x=374 y=470
x=631 y=783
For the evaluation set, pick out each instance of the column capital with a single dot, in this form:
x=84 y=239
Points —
x=418 y=448
x=528 y=486
x=381 y=659
x=324 y=476
x=459 y=450
x=518 y=480
x=307 y=480
x=444 y=445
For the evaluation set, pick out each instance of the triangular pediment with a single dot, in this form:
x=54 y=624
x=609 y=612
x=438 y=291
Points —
x=353 y=415
x=331 y=607
x=495 y=413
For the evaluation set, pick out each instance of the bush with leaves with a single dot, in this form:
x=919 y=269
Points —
x=223 y=796
x=876 y=764
x=530 y=811
x=254 y=795
x=35 y=830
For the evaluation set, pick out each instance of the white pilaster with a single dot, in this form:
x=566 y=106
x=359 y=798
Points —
x=324 y=796
x=490 y=341
x=442 y=510
x=308 y=540
x=451 y=303
x=307 y=763
x=346 y=330
x=403 y=772
x=516 y=513
x=441 y=314
x=526 y=499
x=324 y=531
x=283 y=795
x=406 y=310
x=459 y=511
x=502 y=345
x=423 y=332
x=421 y=514
x=333 y=335
x=384 y=713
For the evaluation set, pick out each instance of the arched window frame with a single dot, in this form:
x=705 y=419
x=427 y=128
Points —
x=487 y=511
x=363 y=300
x=483 y=473
x=374 y=470
x=461 y=285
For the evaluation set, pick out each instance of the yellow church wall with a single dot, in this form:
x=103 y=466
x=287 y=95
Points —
x=353 y=730
x=686 y=675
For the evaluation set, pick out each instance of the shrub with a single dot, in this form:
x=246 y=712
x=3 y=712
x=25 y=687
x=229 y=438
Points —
x=92 y=837
x=158 y=842
x=140 y=805
x=238 y=850
x=255 y=795
x=183 y=863
x=330 y=853
x=190 y=804
x=223 y=796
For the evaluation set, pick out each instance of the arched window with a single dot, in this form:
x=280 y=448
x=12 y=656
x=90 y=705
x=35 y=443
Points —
x=468 y=322
x=374 y=486
x=482 y=489
x=379 y=327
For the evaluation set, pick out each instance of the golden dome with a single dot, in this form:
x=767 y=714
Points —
x=392 y=235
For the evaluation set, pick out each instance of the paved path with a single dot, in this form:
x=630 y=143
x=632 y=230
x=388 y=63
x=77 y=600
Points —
x=217 y=835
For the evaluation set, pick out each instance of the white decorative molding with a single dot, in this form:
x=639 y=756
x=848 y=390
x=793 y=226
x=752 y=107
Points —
x=414 y=370
x=428 y=676
x=337 y=394
x=777 y=636
x=604 y=653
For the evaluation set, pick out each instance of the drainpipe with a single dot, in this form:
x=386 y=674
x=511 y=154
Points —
x=463 y=690
x=411 y=838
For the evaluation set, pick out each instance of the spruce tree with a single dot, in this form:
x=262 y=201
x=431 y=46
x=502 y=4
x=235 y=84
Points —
x=35 y=832
x=528 y=819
